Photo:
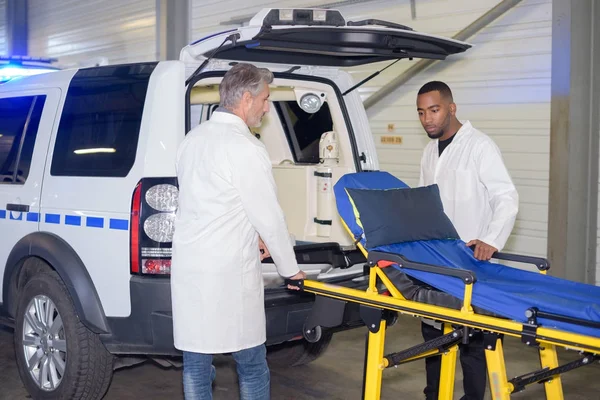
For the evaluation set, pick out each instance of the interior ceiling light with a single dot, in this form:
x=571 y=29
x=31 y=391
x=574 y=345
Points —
x=310 y=102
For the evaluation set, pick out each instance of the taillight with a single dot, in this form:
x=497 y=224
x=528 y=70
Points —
x=156 y=199
x=135 y=229
x=152 y=266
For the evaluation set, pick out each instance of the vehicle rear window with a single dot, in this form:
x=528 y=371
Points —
x=303 y=130
x=18 y=116
x=100 y=123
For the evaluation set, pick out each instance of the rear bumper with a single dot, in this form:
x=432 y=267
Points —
x=149 y=328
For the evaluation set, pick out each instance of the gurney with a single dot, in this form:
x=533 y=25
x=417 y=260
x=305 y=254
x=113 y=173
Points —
x=418 y=266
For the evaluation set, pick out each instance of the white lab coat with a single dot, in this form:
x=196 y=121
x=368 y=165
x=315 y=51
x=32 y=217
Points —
x=476 y=190
x=227 y=199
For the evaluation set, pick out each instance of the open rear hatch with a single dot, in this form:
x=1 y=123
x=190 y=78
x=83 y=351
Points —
x=319 y=37
x=316 y=37
x=307 y=37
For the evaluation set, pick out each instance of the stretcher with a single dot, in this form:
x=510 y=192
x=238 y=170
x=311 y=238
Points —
x=440 y=279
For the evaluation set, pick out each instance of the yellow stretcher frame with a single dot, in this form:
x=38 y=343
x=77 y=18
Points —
x=374 y=298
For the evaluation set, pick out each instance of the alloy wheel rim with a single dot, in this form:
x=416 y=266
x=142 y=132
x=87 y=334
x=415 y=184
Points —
x=44 y=343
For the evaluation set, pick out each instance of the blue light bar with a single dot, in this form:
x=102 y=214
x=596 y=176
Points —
x=12 y=67
x=45 y=60
x=13 y=72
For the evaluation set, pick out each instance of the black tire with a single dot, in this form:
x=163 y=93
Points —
x=88 y=366
x=298 y=352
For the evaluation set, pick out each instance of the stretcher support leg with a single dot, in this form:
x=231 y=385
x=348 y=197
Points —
x=499 y=385
x=448 y=370
x=549 y=359
x=375 y=364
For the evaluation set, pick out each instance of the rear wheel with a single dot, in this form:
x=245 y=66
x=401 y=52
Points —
x=57 y=356
x=298 y=352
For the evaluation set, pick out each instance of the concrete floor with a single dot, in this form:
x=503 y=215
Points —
x=336 y=375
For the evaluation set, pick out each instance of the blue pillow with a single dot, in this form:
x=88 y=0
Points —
x=391 y=216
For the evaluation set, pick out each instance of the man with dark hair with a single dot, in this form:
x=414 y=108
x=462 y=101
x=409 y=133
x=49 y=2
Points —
x=480 y=199
x=228 y=214
x=437 y=86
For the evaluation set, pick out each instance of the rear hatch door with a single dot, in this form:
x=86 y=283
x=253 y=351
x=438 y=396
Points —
x=309 y=37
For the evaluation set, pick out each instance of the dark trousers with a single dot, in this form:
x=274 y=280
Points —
x=472 y=360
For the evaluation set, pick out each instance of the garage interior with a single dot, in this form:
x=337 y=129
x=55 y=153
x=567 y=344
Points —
x=531 y=82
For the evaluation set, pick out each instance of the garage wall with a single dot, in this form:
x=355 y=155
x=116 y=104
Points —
x=3 y=44
x=598 y=237
x=84 y=32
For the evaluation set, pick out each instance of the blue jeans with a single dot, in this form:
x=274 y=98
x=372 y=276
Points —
x=253 y=374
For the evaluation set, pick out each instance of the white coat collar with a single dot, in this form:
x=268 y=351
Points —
x=465 y=130
x=227 y=118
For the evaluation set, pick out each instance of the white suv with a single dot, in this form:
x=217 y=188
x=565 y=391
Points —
x=88 y=189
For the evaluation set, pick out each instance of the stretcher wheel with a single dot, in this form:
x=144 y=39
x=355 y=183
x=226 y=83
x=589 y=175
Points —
x=312 y=335
x=391 y=317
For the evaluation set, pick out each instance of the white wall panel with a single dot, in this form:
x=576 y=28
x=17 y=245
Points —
x=598 y=238
x=3 y=43
x=77 y=31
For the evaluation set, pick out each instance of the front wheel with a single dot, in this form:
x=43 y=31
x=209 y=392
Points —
x=57 y=356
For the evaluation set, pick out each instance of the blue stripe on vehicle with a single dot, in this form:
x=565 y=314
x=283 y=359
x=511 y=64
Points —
x=94 y=222
x=73 y=220
x=19 y=218
x=52 y=218
x=121 y=224
x=33 y=217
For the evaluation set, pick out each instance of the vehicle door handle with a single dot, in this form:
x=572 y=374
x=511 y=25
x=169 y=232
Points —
x=17 y=207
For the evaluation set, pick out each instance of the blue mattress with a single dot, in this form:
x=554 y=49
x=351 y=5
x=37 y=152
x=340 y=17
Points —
x=500 y=289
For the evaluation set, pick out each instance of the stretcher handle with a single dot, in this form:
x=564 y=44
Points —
x=299 y=283
x=377 y=256
x=541 y=263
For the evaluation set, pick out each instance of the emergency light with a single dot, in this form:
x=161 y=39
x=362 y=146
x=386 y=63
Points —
x=299 y=16
x=12 y=67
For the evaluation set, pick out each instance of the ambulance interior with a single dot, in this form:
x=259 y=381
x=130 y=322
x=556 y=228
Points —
x=306 y=136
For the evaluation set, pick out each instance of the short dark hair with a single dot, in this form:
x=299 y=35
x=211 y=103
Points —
x=439 y=86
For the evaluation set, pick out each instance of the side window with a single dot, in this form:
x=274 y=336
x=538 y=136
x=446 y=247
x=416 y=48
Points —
x=19 y=123
x=304 y=130
x=100 y=124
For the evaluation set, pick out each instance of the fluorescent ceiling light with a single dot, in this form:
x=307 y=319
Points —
x=94 y=151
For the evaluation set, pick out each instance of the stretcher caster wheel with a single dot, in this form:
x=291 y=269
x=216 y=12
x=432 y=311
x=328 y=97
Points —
x=313 y=335
x=391 y=317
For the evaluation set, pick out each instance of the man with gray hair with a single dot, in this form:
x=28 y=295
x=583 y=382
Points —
x=228 y=220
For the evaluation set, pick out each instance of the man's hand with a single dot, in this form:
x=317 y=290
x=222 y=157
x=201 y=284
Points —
x=483 y=251
x=264 y=252
x=298 y=276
